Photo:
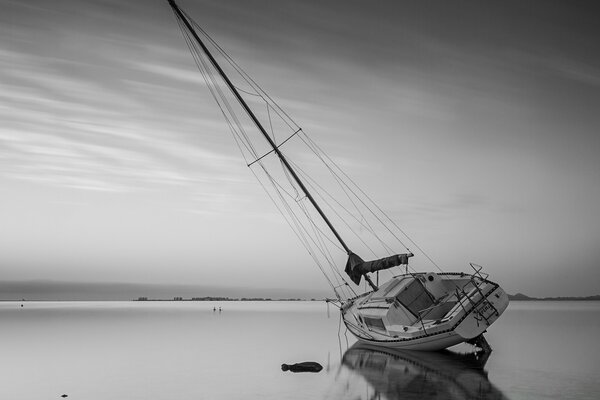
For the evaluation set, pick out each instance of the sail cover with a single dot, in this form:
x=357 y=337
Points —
x=356 y=267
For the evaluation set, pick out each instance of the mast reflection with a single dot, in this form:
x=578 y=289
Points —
x=395 y=374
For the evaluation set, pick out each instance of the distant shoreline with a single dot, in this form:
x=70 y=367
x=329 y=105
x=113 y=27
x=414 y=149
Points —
x=159 y=300
x=210 y=298
x=45 y=290
x=515 y=297
x=522 y=297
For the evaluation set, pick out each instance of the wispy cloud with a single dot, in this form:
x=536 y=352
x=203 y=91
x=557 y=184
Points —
x=171 y=72
x=67 y=130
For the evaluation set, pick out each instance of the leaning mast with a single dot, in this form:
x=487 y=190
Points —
x=180 y=15
x=237 y=95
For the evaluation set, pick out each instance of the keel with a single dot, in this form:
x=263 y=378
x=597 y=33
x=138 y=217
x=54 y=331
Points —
x=481 y=342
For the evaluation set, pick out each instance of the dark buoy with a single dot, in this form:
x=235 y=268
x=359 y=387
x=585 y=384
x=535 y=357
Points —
x=307 y=366
x=64 y=395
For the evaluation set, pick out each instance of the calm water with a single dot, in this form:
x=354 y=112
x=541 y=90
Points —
x=184 y=350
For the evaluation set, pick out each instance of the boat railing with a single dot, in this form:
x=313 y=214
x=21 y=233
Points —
x=467 y=291
x=422 y=314
x=477 y=280
x=477 y=268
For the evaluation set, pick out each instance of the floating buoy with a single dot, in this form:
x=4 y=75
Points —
x=307 y=366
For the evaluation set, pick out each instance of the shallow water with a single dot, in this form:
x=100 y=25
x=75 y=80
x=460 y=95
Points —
x=185 y=350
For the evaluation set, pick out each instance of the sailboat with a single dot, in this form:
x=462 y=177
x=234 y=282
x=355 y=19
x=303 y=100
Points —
x=410 y=309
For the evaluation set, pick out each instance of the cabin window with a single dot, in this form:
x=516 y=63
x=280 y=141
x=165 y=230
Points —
x=391 y=287
x=374 y=323
x=415 y=297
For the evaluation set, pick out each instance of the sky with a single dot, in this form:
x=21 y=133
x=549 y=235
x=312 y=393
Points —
x=474 y=124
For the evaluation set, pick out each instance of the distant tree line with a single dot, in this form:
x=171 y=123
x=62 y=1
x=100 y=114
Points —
x=219 y=298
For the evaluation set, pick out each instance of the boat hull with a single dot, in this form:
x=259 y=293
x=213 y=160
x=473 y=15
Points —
x=429 y=343
x=471 y=317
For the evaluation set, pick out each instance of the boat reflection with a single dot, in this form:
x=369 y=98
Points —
x=396 y=374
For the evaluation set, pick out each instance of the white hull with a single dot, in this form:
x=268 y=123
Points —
x=430 y=343
x=471 y=314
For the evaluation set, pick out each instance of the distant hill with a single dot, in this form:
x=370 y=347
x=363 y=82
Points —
x=522 y=297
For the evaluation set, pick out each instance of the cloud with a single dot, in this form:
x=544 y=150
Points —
x=171 y=72
x=71 y=130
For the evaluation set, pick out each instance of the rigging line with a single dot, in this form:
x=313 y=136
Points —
x=271 y=124
x=237 y=142
x=305 y=229
x=226 y=103
x=291 y=182
x=277 y=184
x=212 y=85
x=323 y=236
x=344 y=188
x=342 y=184
x=302 y=232
x=337 y=178
x=278 y=205
x=244 y=74
x=235 y=134
x=271 y=151
x=247 y=77
x=315 y=183
x=347 y=225
x=332 y=242
x=235 y=118
x=343 y=220
x=368 y=208
x=320 y=235
x=297 y=198
x=248 y=93
x=375 y=204
x=208 y=80
x=355 y=184
x=323 y=247
x=301 y=237
x=314 y=255
x=323 y=253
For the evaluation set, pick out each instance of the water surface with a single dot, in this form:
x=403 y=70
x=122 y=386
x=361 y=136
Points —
x=185 y=350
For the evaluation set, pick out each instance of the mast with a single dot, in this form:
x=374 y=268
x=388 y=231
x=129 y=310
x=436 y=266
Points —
x=237 y=95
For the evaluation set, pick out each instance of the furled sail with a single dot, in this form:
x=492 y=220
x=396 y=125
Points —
x=356 y=267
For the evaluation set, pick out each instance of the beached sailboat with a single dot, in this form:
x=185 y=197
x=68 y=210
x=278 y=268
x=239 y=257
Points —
x=411 y=309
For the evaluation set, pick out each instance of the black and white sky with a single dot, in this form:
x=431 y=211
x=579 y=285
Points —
x=475 y=124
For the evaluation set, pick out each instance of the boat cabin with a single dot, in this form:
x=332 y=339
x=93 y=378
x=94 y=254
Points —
x=405 y=300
